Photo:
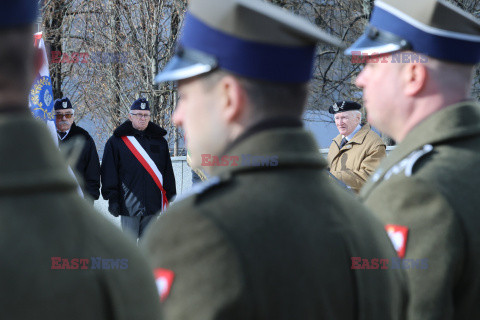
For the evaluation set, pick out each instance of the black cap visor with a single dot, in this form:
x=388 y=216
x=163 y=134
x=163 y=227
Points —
x=186 y=63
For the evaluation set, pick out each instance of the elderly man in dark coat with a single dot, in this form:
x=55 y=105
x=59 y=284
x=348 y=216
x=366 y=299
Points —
x=87 y=166
x=137 y=173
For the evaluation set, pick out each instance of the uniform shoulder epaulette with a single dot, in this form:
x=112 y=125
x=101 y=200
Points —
x=407 y=164
x=200 y=188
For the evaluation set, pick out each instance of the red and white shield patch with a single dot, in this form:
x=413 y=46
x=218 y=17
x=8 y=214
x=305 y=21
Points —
x=164 y=280
x=398 y=236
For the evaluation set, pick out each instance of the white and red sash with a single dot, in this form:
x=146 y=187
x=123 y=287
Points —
x=142 y=156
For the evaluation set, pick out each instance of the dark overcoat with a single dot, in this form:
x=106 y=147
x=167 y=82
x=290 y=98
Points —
x=87 y=167
x=126 y=184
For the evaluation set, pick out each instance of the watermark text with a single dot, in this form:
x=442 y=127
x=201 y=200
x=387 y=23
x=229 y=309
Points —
x=397 y=57
x=209 y=160
x=85 y=57
x=59 y=263
x=359 y=263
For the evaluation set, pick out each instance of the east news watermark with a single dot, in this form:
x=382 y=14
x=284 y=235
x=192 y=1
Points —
x=359 y=263
x=86 y=57
x=93 y=263
x=244 y=160
x=396 y=57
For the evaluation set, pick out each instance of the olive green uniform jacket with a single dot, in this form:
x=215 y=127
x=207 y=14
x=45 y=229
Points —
x=274 y=242
x=429 y=184
x=42 y=217
x=358 y=158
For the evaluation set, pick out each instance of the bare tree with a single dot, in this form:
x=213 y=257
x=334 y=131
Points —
x=124 y=43
x=54 y=14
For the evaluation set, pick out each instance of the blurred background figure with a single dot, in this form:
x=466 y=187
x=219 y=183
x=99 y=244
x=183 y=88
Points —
x=137 y=172
x=356 y=152
x=198 y=175
x=87 y=166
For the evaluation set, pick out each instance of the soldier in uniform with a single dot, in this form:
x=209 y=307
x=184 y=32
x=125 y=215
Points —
x=416 y=89
x=87 y=164
x=356 y=152
x=59 y=258
x=269 y=235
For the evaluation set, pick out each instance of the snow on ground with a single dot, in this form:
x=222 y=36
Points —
x=102 y=207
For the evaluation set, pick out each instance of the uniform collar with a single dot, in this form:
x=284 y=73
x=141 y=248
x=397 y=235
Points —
x=454 y=122
x=66 y=134
x=357 y=138
x=38 y=165
x=279 y=122
x=127 y=129
x=351 y=135
x=292 y=147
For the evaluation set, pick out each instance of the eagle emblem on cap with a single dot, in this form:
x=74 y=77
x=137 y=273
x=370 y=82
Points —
x=335 y=108
x=64 y=104
x=142 y=105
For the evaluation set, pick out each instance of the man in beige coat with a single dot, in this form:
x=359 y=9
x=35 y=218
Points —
x=356 y=152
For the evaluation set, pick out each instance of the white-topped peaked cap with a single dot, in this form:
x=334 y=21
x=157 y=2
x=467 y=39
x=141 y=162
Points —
x=250 y=38
x=432 y=27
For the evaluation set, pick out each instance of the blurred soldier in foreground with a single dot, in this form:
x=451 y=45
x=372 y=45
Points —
x=356 y=152
x=88 y=164
x=59 y=258
x=416 y=88
x=269 y=235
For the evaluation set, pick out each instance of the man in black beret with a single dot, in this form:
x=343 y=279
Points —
x=137 y=173
x=60 y=259
x=356 y=152
x=87 y=166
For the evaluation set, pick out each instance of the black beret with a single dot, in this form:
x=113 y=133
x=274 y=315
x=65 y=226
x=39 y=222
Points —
x=140 y=104
x=343 y=106
x=62 y=104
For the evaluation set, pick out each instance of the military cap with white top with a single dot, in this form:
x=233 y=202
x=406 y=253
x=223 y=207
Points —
x=431 y=27
x=250 y=38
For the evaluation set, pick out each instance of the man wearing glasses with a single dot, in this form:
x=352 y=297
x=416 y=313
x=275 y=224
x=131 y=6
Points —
x=137 y=173
x=87 y=167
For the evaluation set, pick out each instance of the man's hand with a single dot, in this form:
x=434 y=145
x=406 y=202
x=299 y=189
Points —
x=114 y=209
